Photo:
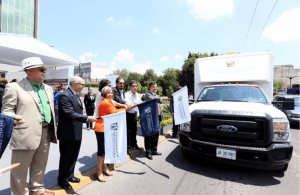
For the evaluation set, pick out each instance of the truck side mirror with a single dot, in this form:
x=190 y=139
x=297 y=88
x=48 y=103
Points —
x=285 y=104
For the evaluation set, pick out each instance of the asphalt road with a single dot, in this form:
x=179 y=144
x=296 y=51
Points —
x=172 y=173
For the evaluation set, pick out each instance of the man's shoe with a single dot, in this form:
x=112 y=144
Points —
x=136 y=148
x=44 y=193
x=87 y=128
x=156 y=153
x=65 y=185
x=148 y=155
x=129 y=153
x=74 y=180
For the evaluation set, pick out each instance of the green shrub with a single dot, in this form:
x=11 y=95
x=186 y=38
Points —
x=91 y=84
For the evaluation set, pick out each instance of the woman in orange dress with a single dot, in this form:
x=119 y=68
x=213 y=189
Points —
x=107 y=106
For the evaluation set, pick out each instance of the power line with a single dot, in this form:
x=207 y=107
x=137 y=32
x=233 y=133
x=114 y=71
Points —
x=250 y=26
x=264 y=26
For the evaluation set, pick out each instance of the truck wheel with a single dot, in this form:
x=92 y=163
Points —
x=285 y=167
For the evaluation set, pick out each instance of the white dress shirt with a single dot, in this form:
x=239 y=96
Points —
x=136 y=99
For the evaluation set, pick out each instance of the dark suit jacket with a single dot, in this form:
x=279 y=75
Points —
x=117 y=95
x=70 y=113
x=88 y=102
x=149 y=96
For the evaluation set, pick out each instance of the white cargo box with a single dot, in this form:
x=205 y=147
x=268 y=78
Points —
x=256 y=68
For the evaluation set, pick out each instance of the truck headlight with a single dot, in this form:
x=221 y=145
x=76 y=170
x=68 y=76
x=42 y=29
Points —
x=281 y=129
x=185 y=127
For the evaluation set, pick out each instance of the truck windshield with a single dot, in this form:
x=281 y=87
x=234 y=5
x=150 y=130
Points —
x=233 y=93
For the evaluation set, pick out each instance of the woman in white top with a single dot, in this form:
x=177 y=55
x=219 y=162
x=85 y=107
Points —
x=102 y=84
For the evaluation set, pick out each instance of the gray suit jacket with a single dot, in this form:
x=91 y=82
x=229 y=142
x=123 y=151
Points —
x=150 y=96
x=20 y=99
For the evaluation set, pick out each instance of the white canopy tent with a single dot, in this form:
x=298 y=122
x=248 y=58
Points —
x=15 y=48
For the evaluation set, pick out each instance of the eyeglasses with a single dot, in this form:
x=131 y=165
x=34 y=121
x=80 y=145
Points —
x=81 y=84
x=43 y=69
x=121 y=83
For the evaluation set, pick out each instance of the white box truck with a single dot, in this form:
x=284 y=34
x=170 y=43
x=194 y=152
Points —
x=232 y=118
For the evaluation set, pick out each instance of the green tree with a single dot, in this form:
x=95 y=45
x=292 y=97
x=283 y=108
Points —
x=139 y=90
x=144 y=89
x=148 y=77
x=124 y=73
x=278 y=85
x=134 y=76
x=170 y=78
x=186 y=77
x=169 y=91
x=159 y=90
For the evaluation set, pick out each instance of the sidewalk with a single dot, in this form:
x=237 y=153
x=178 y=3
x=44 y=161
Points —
x=85 y=167
x=89 y=176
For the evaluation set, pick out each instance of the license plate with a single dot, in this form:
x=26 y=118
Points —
x=224 y=153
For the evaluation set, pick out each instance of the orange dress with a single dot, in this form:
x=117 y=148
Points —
x=106 y=107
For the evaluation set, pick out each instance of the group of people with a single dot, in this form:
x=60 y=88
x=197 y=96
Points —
x=41 y=117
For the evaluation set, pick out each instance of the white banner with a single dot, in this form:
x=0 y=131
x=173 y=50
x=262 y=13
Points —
x=181 y=106
x=112 y=79
x=115 y=136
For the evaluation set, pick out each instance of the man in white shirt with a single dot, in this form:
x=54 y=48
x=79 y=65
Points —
x=132 y=116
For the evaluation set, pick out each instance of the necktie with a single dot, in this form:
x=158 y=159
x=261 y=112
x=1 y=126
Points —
x=78 y=99
x=158 y=107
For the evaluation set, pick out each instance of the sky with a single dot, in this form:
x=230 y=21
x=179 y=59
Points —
x=159 y=34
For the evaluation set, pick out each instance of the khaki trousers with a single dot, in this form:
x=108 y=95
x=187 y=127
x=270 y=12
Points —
x=36 y=160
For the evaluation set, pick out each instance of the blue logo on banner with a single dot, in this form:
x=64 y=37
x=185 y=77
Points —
x=6 y=127
x=149 y=118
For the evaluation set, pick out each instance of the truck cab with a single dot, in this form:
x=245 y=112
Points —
x=232 y=118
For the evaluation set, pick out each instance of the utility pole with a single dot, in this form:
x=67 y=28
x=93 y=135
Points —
x=291 y=80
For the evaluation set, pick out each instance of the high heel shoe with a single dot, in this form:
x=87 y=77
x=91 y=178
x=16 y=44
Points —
x=107 y=173
x=101 y=177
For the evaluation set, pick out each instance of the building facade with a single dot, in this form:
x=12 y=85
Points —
x=285 y=72
x=19 y=17
x=91 y=72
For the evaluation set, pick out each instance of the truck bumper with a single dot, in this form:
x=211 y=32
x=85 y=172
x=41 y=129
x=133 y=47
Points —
x=272 y=158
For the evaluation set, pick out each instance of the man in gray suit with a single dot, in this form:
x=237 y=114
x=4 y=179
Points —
x=33 y=103
x=152 y=141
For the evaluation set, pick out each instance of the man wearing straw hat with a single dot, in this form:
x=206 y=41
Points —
x=30 y=141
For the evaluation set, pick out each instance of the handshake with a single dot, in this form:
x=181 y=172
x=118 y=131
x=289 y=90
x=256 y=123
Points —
x=92 y=118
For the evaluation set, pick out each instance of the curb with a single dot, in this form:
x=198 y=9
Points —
x=89 y=176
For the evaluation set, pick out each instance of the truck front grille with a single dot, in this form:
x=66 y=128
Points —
x=252 y=131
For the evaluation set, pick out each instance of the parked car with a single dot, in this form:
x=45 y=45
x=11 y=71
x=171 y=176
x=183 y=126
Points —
x=293 y=115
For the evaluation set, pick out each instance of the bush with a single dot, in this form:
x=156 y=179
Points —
x=91 y=84
x=165 y=122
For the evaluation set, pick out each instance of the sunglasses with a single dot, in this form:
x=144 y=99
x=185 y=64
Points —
x=43 y=69
x=121 y=83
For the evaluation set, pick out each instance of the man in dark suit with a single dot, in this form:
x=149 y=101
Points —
x=152 y=141
x=69 y=131
x=119 y=96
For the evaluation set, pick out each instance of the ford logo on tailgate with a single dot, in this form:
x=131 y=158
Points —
x=227 y=128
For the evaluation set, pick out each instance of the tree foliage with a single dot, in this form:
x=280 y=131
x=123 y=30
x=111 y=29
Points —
x=169 y=91
x=148 y=77
x=170 y=78
x=144 y=89
x=159 y=90
x=124 y=73
x=186 y=77
x=278 y=85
